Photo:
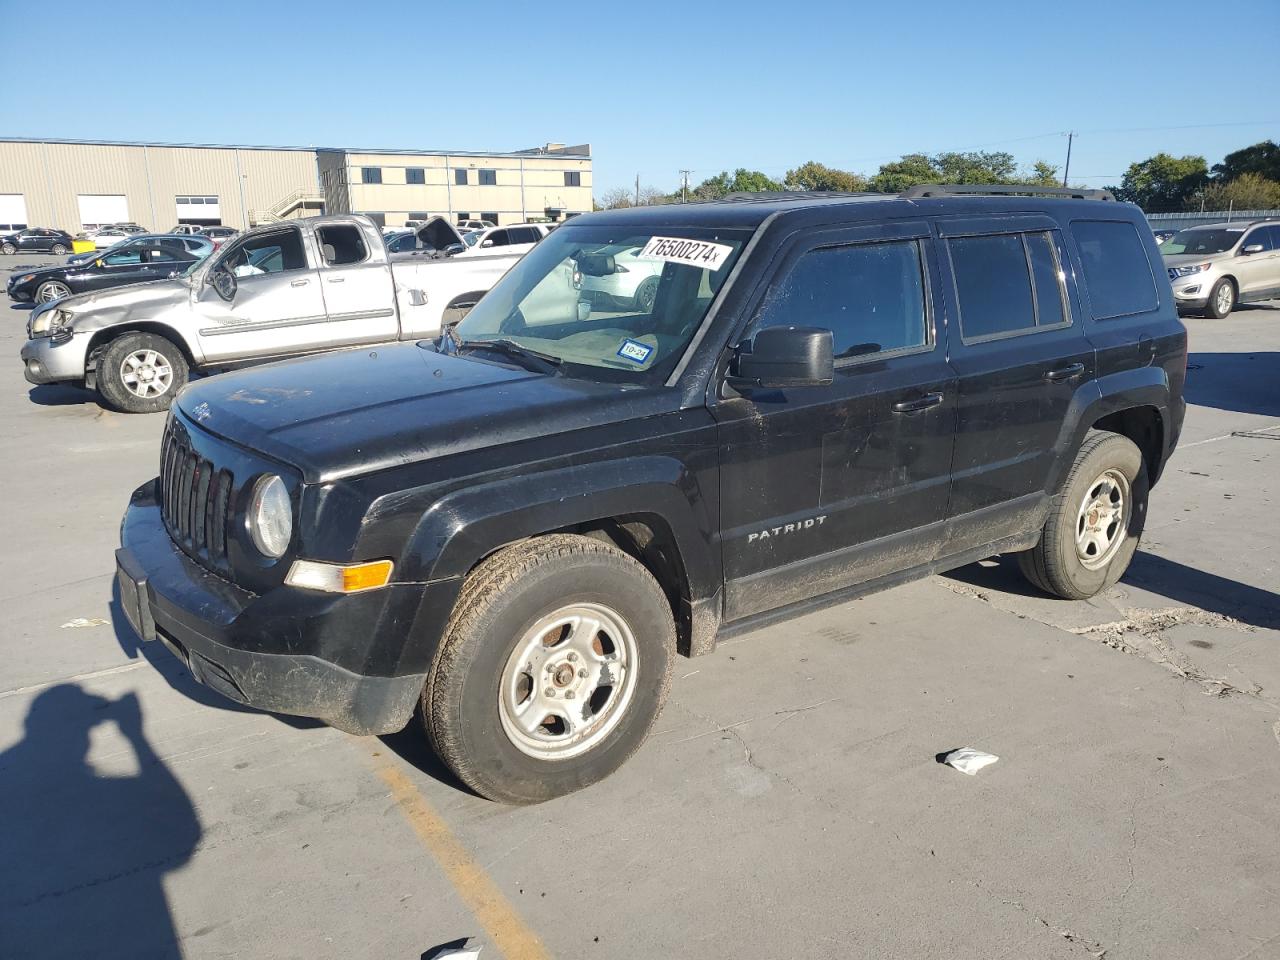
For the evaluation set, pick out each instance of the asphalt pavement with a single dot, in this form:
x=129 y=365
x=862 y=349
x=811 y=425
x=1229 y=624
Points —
x=789 y=803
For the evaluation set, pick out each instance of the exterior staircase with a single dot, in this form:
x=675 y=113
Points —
x=310 y=196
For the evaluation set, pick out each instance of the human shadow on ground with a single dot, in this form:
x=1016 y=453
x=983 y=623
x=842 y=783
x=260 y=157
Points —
x=86 y=853
x=1184 y=585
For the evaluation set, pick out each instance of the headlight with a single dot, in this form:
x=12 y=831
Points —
x=26 y=277
x=1176 y=272
x=45 y=323
x=271 y=516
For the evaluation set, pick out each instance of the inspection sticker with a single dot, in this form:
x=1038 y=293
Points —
x=694 y=253
x=635 y=351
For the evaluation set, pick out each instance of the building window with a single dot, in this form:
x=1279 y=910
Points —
x=418 y=215
x=488 y=178
x=572 y=178
x=378 y=218
x=460 y=177
x=415 y=175
x=491 y=217
x=370 y=174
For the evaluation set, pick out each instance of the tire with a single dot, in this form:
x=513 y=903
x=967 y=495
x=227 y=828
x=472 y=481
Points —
x=144 y=350
x=646 y=295
x=1061 y=563
x=52 y=290
x=8 y=249
x=512 y=609
x=58 y=249
x=1222 y=299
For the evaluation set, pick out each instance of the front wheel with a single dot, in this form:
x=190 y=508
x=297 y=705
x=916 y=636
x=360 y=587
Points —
x=1222 y=299
x=553 y=668
x=1095 y=522
x=59 y=249
x=52 y=290
x=141 y=373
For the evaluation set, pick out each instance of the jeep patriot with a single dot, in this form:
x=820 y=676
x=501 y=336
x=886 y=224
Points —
x=510 y=531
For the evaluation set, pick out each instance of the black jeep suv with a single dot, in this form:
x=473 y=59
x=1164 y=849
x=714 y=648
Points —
x=518 y=525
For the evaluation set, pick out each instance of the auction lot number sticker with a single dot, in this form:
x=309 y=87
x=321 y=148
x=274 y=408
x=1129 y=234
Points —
x=693 y=253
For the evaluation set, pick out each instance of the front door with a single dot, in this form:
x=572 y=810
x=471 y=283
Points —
x=827 y=487
x=1257 y=273
x=1021 y=357
x=358 y=288
x=278 y=307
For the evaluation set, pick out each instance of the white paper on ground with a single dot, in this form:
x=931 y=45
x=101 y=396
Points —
x=968 y=760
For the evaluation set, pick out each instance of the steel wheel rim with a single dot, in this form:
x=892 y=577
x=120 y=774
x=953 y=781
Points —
x=1103 y=519
x=1224 y=298
x=146 y=374
x=53 y=290
x=568 y=682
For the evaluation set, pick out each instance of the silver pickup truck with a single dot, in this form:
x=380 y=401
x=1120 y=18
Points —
x=278 y=290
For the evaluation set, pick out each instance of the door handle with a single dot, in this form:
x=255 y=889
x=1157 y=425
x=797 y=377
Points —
x=1069 y=372
x=298 y=283
x=920 y=403
x=336 y=279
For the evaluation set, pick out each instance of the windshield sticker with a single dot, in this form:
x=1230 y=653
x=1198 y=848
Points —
x=693 y=253
x=635 y=351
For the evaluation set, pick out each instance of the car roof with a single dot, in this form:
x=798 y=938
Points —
x=751 y=211
x=1232 y=224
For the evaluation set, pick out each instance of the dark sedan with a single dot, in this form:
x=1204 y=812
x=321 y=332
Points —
x=115 y=268
x=38 y=240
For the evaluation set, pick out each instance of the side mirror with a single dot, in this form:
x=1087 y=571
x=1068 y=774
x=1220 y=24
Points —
x=785 y=357
x=486 y=243
x=1252 y=248
x=598 y=264
x=223 y=282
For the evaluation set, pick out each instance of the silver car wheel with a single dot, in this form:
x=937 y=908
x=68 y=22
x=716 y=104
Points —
x=1226 y=298
x=52 y=290
x=146 y=374
x=1103 y=519
x=568 y=681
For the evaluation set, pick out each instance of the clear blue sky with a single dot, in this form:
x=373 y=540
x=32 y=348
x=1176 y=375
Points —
x=655 y=86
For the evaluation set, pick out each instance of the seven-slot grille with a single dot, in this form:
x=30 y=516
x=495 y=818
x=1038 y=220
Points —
x=195 y=499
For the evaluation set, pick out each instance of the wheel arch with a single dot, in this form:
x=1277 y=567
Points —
x=100 y=338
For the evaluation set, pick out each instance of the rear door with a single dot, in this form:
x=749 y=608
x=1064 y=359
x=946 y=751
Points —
x=359 y=294
x=1020 y=354
x=1256 y=272
x=830 y=486
x=116 y=268
x=278 y=306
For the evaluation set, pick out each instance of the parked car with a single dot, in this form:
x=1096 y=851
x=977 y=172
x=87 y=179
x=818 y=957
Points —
x=1162 y=235
x=464 y=225
x=187 y=229
x=219 y=235
x=517 y=238
x=509 y=532
x=286 y=288
x=630 y=283
x=1216 y=266
x=134 y=261
x=199 y=246
x=108 y=237
x=37 y=240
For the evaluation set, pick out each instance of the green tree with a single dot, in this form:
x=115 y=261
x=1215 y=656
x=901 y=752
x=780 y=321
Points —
x=1163 y=183
x=951 y=167
x=1042 y=175
x=818 y=176
x=1249 y=191
x=1262 y=159
x=913 y=168
x=722 y=184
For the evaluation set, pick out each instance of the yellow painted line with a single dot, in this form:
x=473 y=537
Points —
x=499 y=919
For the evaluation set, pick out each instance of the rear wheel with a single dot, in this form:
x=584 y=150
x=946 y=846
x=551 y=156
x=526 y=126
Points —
x=646 y=295
x=8 y=249
x=553 y=667
x=1222 y=299
x=52 y=290
x=1095 y=522
x=58 y=249
x=141 y=373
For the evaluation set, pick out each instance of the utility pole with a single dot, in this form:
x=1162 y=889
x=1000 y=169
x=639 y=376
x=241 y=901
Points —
x=1067 y=169
x=637 y=189
x=684 y=185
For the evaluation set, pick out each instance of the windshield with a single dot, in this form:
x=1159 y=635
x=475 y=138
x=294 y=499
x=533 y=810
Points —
x=471 y=239
x=1201 y=241
x=611 y=302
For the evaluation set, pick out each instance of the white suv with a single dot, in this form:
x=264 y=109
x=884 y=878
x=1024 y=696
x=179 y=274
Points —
x=1216 y=266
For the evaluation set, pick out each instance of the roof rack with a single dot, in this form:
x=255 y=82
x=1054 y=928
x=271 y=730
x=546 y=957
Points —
x=742 y=195
x=1001 y=190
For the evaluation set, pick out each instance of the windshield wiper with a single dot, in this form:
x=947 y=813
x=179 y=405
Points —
x=546 y=362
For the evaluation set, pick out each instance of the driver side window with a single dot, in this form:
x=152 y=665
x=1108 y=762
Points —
x=269 y=253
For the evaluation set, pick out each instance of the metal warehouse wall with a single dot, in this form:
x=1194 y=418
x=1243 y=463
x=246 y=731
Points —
x=52 y=175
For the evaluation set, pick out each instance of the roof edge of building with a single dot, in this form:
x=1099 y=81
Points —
x=399 y=151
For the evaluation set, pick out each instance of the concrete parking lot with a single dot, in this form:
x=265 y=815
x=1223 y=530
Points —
x=788 y=804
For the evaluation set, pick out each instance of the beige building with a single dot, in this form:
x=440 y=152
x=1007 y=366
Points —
x=546 y=183
x=75 y=185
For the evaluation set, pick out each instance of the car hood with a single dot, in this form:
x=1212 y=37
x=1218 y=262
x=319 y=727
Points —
x=1181 y=259
x=439 y=233
x=102 y=307
x=40 y=273
x=353 y=412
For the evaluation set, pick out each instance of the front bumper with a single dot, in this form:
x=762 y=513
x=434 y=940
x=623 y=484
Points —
x=263 y=650
x=1192 y=293
x=20 y=293
x=47 y=361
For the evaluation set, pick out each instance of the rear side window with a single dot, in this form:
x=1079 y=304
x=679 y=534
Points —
x=341 y=244
x=993 y=285
x=1116 y=270
x=869 y=295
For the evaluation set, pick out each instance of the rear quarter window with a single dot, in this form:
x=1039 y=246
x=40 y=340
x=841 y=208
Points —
x=1117 y=273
